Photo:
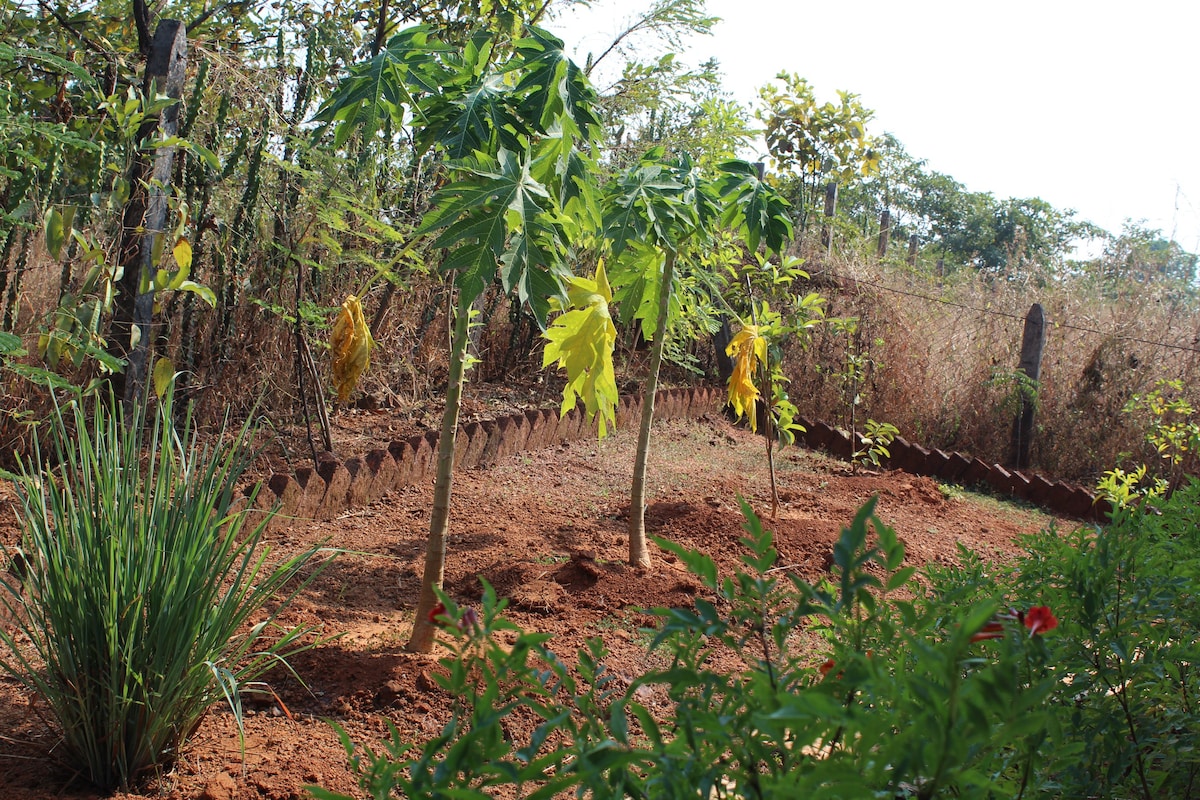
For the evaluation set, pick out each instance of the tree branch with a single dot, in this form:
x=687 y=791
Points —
x=141 y=19
x=66 y=25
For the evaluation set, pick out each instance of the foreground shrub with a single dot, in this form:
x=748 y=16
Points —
x=140 y=590
x=910 y=702
x=917 y=698
x=500 y=674
x=1130 y=647
x=1068 y=673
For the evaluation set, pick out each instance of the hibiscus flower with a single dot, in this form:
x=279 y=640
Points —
x=993 y=630
x=1039 y=619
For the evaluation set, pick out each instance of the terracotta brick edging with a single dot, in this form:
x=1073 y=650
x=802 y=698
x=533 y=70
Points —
x=336 y=485
x=1056 y=496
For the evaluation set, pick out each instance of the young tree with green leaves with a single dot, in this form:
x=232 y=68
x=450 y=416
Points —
x=758 y=379
x=512 y=117
x=655 y=214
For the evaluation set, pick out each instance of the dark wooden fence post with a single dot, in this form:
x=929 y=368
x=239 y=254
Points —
x=830 y=211
x=913 y=242
x=885 y=224
x=145 y=214
x=1033 y=341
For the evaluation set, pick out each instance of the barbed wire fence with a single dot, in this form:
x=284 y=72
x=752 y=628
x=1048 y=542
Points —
x=937 y=357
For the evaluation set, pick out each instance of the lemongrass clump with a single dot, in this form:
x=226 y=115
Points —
x=141 y=598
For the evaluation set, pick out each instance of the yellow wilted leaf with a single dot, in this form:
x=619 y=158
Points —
x=746 y=349
x=581 y=341
x=183 y=254
x=164 y=373
x=351 y=346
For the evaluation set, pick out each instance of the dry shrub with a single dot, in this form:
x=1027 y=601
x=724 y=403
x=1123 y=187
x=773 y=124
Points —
x=942 y=353
x=938 y=352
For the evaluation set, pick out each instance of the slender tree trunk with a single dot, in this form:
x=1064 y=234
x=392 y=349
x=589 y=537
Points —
x=13 y=297
x=639 y=555
x=439 y=521
x=381 y=29
x=145 y=217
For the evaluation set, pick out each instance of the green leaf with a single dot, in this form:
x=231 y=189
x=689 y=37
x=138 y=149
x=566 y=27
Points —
x=377 y=91
x=559 y=164
x=497 y=214
x=645 y=205
x=556 y=91
x=42 y=377
x=56 y=232
x=53 y=62
x=697 y=563
x=482 y=112
x=899 y=578
x=11 y=345
x=753 y=208
x=638 y=277
x=203 y=292
x=207 y=156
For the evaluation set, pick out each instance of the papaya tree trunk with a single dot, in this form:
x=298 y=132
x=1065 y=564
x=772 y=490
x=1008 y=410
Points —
x=439 y=521
x=769 y=435
x=639 y=554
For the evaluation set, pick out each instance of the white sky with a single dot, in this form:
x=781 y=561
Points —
x=1092 y=106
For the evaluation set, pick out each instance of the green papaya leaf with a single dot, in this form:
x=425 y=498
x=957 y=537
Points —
x=378 y=91
x=555 y=89
x=494 y=218
x=753 y=207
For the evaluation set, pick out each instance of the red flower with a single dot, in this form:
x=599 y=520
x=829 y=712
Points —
x=1039 y=619
x=436 y=612
x=827 y=666
x=993 y=630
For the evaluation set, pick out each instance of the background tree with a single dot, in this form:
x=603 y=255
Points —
x=813 y=143
x=1010 y=237
x=665 y=23
x=665 y=104
x=653 y=213
x=1142 y=255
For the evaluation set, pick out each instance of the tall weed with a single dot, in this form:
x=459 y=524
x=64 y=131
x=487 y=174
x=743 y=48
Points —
x=943 y=350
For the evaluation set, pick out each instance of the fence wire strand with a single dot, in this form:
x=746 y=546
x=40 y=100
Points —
x=938 y=358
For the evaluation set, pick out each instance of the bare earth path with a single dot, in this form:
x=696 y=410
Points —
x=547 y=529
